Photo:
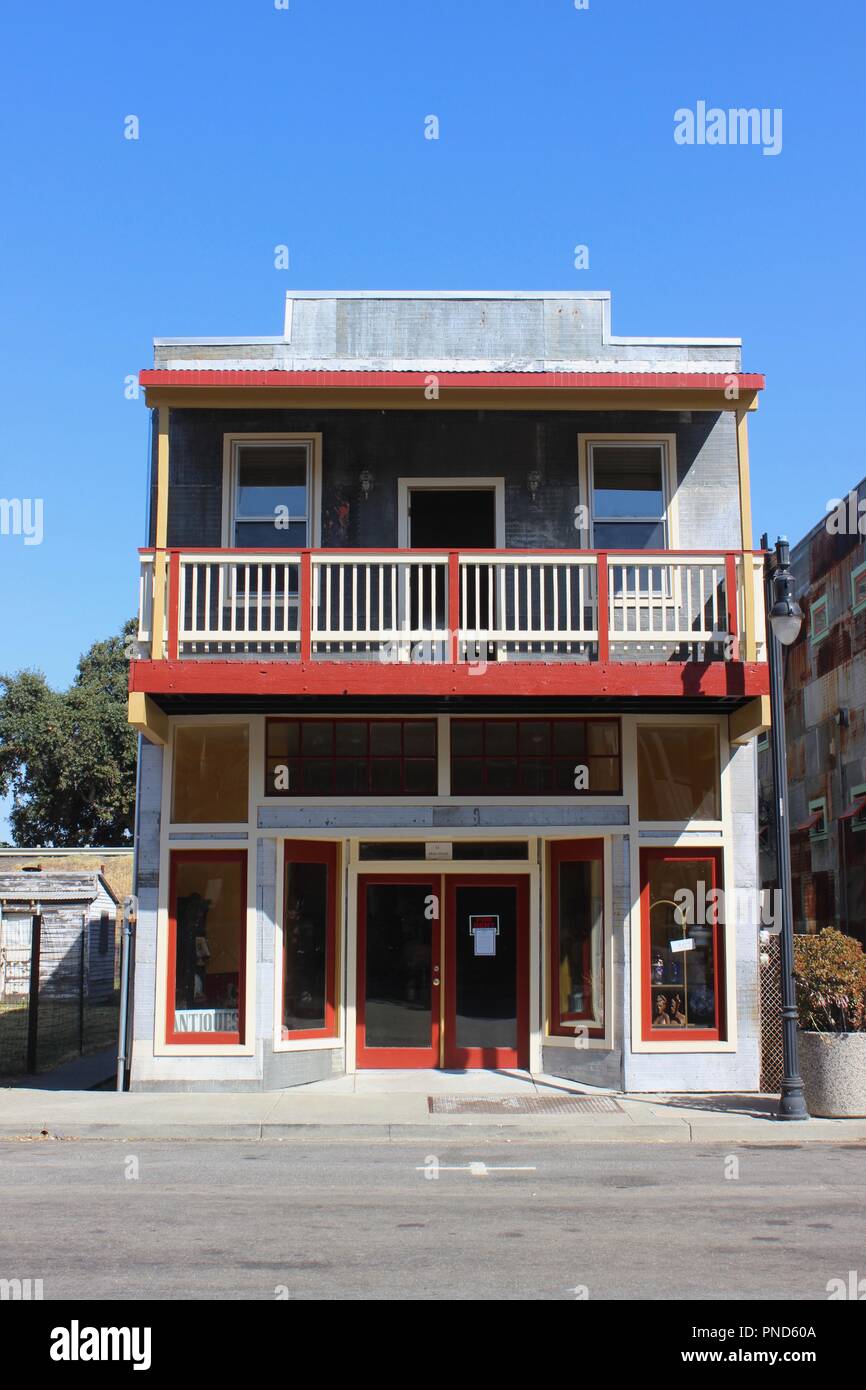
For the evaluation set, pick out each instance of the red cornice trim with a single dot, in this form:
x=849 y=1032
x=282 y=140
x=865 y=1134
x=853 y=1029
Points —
x=567 y=381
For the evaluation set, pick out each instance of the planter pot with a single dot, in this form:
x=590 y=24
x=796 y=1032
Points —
x=833 y=1068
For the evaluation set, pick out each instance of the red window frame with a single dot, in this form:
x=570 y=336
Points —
x=187 y=856
x=332 y=757
x=549 y=759
x=563 y=852
x=681 y=1035
x=314 y=852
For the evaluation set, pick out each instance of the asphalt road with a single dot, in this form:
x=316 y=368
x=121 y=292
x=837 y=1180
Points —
x=360 y=1220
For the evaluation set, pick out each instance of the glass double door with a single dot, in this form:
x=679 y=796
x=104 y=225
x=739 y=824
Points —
x=443 y=971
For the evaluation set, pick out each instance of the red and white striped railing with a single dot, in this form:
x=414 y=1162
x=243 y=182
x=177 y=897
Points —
x=401 y=605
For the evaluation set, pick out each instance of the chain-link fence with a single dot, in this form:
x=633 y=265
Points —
x=59 y=989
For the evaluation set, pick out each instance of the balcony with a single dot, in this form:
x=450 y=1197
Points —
x=444 y=623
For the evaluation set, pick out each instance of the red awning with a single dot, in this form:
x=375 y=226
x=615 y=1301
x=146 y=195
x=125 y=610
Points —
x=813 y=820
x=390 y=380
x=854 y=810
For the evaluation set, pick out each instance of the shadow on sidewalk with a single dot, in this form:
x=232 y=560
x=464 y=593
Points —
x=89 y=1073
x=757 y=1107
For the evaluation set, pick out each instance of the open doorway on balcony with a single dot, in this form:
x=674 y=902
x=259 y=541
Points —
x=452 y=514
x=456 y=514
x=441 y=519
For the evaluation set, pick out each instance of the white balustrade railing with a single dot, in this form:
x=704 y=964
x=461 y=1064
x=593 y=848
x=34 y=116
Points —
x=380 y=605
x=676 y=601
x=528 y=605
x=145 y=598
x=239 y=603
x=504 y=605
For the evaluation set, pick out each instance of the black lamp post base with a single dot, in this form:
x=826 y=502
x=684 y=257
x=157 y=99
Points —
x=792 y=1105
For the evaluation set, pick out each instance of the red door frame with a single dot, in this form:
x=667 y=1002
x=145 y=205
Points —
x=692 y=854
x=402 y=1057
x=314 y=852
x=487 y=1057
x=187 y=856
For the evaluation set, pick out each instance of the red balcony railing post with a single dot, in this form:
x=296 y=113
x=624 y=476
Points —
x=173 y=603
x=603 y=616
x=454 y=605
x=731 y=597
x=305 y=603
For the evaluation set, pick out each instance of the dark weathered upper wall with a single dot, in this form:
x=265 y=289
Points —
x=459 y=444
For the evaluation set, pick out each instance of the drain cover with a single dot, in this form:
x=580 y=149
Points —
x=522 y=1105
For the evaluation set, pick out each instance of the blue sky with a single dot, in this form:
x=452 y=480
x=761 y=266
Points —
x=305 y=126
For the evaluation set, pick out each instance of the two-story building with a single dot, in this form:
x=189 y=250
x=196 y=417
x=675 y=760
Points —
x=450 y=667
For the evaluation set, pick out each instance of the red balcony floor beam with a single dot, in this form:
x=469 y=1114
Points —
x=720 y=679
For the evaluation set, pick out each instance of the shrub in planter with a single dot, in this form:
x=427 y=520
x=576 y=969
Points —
x=830 y=977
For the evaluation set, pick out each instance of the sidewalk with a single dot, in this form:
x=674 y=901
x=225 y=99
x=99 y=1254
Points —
x=397 y=1106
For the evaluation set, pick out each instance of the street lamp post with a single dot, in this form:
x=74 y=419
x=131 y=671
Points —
x=785 y=618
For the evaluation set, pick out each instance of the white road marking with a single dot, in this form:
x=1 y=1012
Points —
x=477 y=1169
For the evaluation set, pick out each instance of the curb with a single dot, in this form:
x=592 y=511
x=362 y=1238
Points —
x=681 y=1132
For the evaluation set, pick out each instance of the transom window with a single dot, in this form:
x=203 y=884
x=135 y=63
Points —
x=271 y=494
x=628 y=496
x=351 y=757
x=526 y=757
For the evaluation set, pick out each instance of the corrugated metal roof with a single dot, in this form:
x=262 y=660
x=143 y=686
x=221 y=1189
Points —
x=463 y=379
x=50 y=888
x=281 y=362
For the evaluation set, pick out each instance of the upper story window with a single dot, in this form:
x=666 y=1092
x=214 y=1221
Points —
x=270 y=492
x=628 y=493
x=856 y=813
x=818 y=829
x=858 y=588
x=819 y=619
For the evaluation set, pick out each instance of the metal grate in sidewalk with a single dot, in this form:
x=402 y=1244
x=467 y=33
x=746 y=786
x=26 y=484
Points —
x=522 y=1105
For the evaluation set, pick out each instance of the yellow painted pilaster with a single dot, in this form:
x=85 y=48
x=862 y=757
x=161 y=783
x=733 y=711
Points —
x=750 y=641
x=161 y=538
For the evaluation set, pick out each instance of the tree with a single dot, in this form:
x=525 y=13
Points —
x=68 y=757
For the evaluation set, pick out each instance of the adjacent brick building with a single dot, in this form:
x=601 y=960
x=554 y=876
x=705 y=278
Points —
x=825 y=711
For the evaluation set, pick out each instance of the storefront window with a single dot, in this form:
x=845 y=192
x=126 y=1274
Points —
x=211 y=774
x=678 y=772
x=682 y=941
x=207 y=943
x=577 y=937
x=309 y=941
